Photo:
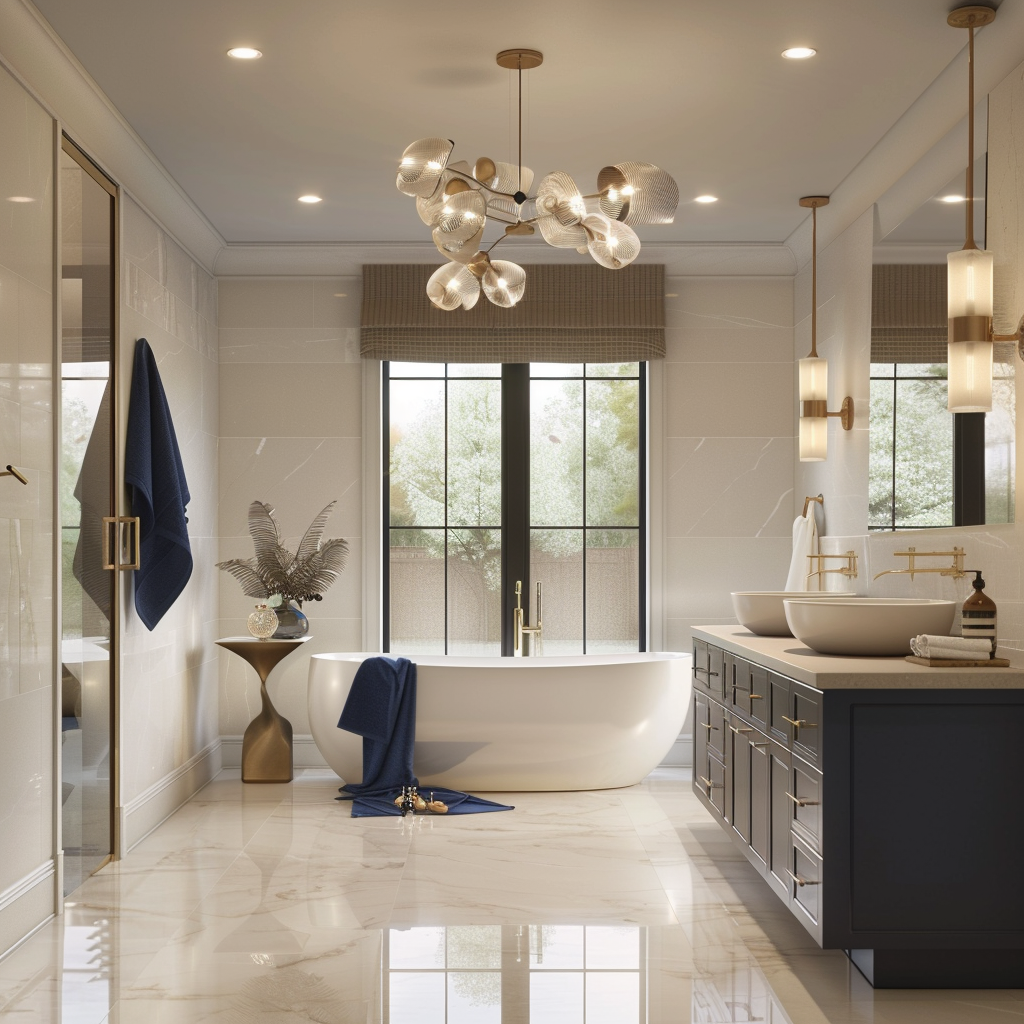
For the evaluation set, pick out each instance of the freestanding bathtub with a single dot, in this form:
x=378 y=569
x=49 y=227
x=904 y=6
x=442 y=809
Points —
x=515 y=724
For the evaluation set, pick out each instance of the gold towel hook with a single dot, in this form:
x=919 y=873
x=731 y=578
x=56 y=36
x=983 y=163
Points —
x=820 y=499
x=11 y=471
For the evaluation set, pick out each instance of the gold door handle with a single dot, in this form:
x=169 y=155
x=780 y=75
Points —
x=758 y=746
x=126 y=542
x=737 y=731
x=801 y=881
x=803 y=803
x=707 y=782
x=706 y=672
x=709 y=727
x=757 y=696
x=798 y=723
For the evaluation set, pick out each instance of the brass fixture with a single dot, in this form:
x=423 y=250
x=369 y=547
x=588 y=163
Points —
x=802 y=881
x=956 y=570
x=519 y=627
x=11 y=471
x=850 y=569
x=813 y=370
x=126 y=541
x=969 y=273
x=802 y=803
x=820 y=499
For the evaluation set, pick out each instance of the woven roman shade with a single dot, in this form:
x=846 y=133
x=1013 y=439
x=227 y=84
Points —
x=908 y=313
x=570 y=314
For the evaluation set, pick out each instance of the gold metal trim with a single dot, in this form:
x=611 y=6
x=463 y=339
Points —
x=520 y=59
x=956 y=570
x=970 y=328
x=845 y=414
x=970 y=17
x=814 y=202
x=817 y=409
x=850 y=569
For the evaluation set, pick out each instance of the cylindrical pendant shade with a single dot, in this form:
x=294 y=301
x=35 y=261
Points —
x=969 y=283
x=813 y=379
x=970 y=376
x=813 y=438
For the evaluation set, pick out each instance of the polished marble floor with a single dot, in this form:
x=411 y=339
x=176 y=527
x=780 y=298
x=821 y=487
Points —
x=270 y=905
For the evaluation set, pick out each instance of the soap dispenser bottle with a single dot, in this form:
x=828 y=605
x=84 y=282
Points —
x=978 y=618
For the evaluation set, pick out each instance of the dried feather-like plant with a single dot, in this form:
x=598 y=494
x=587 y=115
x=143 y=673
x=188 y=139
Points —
x=303 y=576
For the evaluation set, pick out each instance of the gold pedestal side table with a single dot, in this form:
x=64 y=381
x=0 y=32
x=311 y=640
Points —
x=267 y=743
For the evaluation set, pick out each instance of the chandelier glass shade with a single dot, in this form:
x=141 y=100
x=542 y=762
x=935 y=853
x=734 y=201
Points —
x=456 y=202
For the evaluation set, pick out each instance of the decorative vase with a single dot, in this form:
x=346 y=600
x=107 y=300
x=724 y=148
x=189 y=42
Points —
x=291 y=623
x=262 y=623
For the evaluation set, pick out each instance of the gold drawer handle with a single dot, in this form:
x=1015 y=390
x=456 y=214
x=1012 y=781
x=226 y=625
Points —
x=708 y=783
x=757 y=696
x=799 y=723
x=803 y=803
x=760 y=745
x=733 y=729
x=801 y=881
x=709 y=727
x=706 y=672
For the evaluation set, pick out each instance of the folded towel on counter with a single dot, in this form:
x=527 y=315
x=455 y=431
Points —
x=159 y=492
x=381 y=707
x=955 y=648
x=805 y=542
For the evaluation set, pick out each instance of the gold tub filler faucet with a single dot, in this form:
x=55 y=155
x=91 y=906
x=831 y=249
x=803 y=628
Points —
x=956 y=570
x=850 y=569
x=519 y=627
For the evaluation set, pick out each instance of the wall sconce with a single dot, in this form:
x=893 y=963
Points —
x=813 y=386
x=969 y=273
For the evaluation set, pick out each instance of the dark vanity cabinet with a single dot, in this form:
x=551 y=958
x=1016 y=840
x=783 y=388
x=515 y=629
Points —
x=888 y=820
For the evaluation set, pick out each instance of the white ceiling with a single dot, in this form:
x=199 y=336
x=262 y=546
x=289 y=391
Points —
x=698 y=88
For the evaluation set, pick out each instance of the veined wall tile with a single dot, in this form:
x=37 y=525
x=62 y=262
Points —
x=290 y=401
x=179 y=273
x=298 y=345
x=35 y=327
x=146 y=296
x=699 y=576
x=729 y=345
x=141 y=239
x=337 y=301
x=729 y=399
x=729 y=302
x=728 y=487
x=266 y=302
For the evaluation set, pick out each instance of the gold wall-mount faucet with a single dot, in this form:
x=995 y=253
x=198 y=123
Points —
x=519 y=628
x=849 y=570
x=956 y=570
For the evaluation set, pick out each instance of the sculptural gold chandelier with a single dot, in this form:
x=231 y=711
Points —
x=456 y=200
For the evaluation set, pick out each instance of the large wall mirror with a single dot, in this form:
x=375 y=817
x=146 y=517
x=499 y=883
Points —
x=928 y=468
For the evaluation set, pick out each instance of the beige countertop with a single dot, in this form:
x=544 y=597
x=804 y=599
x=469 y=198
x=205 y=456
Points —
x=787 y=656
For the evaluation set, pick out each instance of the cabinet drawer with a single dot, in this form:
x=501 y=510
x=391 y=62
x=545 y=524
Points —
x=805 y=796
x=709 y=778
x=709 y=669
x=759 y=694
x=806 y=722
x=737 y=683
x=806 y=882
x=700 y=665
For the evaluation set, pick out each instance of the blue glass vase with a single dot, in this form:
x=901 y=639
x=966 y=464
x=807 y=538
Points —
x=291 y=623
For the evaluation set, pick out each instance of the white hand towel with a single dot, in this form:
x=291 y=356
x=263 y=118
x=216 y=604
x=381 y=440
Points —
x=952 y=647
x=805 y=542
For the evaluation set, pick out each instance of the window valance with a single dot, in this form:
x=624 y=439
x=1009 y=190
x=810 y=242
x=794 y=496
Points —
x=570 y=314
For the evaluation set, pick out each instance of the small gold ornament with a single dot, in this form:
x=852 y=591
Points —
x=262 y=623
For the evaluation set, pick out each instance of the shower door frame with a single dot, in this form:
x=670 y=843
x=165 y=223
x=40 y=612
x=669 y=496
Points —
x=64 y=144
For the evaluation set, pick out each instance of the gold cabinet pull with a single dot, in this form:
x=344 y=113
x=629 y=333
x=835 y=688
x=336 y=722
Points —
x=706 y=672
x=737 y=731
x=126 y=542
x=799 y=723
x=707 y=782
x=757 y=696
x=801 y=881
x=759 y=746
x=803 y=803
x=709 y=727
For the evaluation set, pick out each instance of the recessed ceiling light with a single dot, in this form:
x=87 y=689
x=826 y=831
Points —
x=244 y=53
x=952 y=199
x=706 y=199
x=310 y=199
x=20 y=199
x=798 y=53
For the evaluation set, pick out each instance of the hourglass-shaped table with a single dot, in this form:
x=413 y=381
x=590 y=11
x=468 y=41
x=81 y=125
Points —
x=267 y=743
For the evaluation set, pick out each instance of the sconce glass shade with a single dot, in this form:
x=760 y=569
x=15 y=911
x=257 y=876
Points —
x=970 y=376
x=969 y=283
x=813 y=379
x=813 y=438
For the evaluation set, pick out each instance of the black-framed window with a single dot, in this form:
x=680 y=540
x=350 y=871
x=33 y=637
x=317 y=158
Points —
x=530 y=472
x=929 y=469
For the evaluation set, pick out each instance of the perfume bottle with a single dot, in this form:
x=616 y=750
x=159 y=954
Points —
x=978 y=618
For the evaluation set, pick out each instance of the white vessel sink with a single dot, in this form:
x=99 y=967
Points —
x=879 y=626
x=761 y=611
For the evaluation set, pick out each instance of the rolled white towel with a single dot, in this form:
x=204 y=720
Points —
x=952 y=647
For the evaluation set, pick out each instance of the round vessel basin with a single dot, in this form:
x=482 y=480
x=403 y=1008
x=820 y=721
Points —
x=761 y=611
x=873 y=626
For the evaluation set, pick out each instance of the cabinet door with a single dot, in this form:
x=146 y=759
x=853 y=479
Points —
x=806 y=722
x=780 y=713
x=780 y=844
x=701 y=727
x=759 y=695
x=739 y=772
x=738 y=681
x=805 y=797
x=718 y=730
x=759 y=796
x=716 y=672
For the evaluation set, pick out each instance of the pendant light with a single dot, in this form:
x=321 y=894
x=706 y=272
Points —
x=813 y=377
x=969 y=273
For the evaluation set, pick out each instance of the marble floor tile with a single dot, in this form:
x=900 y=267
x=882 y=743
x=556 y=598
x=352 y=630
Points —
x=272 y=905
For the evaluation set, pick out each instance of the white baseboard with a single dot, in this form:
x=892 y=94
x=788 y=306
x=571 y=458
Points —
x=681 y=754
x=26 y=906
x=305 y=753
x=146 y=811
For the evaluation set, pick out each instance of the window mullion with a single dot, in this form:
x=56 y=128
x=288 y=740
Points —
x=515 y=493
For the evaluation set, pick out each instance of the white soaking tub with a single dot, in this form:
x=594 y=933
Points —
x=520 y=724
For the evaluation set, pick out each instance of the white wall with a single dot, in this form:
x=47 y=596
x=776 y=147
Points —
x=27 y=724
x=291 y=435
